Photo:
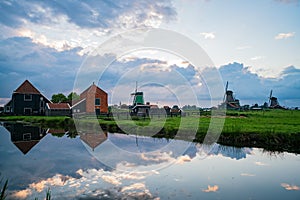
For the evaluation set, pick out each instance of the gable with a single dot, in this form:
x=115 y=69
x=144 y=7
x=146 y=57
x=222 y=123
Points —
x=27 y=88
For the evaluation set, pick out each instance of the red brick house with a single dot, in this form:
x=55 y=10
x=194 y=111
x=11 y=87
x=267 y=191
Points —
x=92 y=100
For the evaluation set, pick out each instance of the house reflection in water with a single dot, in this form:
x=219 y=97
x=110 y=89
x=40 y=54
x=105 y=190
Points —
x=24 y=137
x=93 y=140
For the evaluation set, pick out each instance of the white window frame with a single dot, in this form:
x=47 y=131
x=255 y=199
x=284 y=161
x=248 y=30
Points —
x=29 y=109
x=28 y=99
x=26 y=138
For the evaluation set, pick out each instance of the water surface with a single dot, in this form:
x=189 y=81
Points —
x=115 y=166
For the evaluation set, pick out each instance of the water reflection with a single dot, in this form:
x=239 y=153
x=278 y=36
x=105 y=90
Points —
x=70 y=167
x=93 y=140
x=23 y=136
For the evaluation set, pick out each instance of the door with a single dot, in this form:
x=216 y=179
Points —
x=97 y=111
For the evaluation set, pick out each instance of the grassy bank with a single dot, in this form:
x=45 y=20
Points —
x=273 y=130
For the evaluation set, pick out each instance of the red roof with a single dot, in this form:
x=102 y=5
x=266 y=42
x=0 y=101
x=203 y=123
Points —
x=26 y=146
x=58 y=105
x=27 y=88
x=93 y=139
x=93 y=89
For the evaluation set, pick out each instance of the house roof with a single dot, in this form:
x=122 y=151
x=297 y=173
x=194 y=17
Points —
x=8 y=103
x=62 y=106
x=55 y=131
x=93 y=139
x=26 y=146
x=78 y=102
x=93 y=88
x=27 y=88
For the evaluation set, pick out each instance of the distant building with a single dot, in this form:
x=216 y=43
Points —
x=58 y=109
x=92 y=100
x=26 y=100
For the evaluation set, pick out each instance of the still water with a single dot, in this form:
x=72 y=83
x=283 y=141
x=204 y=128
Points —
x=118 y=166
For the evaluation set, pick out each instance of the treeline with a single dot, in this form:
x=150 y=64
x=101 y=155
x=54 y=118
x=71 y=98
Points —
x=61 y=98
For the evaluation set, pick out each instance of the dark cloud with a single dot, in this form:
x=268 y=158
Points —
x=51 y=71
x=88 y=14
x=251 y=88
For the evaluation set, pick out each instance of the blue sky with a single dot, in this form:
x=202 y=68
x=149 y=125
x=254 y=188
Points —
x=255 y=44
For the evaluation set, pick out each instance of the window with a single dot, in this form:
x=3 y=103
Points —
x=27 y=111
x=97 y=102
x=27 y=136
x=8 y=109
x=27 y=97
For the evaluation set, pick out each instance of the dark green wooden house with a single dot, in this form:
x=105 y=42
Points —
x=27 y=100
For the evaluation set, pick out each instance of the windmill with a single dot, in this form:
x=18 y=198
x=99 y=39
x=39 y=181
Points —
x=229 y=100
x=226 y=87
x=270 y=97
x=273 y=101
x=138 y=107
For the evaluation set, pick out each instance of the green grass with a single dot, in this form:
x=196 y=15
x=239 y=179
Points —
x=279 y=129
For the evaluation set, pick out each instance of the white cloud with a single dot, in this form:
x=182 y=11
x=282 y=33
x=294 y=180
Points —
x=257 y=58
x=208 y=35
x=247 y=174
x=214 y=188
x=261 y=164
x=290 y=187
x=281 y=36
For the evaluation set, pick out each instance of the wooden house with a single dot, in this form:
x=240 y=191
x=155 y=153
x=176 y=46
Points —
x=27 y=100
x=58 y=109
x=25 y=137
x=92 y=100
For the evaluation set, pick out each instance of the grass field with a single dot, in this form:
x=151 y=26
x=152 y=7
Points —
x=273 y=129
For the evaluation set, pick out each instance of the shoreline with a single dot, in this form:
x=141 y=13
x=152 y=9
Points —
x=275 y=130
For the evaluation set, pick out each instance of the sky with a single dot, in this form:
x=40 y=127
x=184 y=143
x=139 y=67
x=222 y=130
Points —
x=254 y=45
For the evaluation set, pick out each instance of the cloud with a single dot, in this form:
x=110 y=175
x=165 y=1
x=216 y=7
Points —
x=183 y=159
x=135 y=186
x=256 y=58
x=281 y=36
x=261 y=164
x=64 y=25
x=87 y=14
x=88 y=181
x=22 y=194
x=22 y=59
x=290 y=187
x=208 y=35
x=285 y=86
x=3 y=101
x=111 y=179
x=214 y=188
x=247 y=174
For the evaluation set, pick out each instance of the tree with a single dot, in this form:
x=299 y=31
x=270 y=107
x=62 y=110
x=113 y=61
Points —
x=73 y=96
x=57 y=98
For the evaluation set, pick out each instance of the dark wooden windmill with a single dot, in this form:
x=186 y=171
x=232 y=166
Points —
x=273 y=101
x=229 y=101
